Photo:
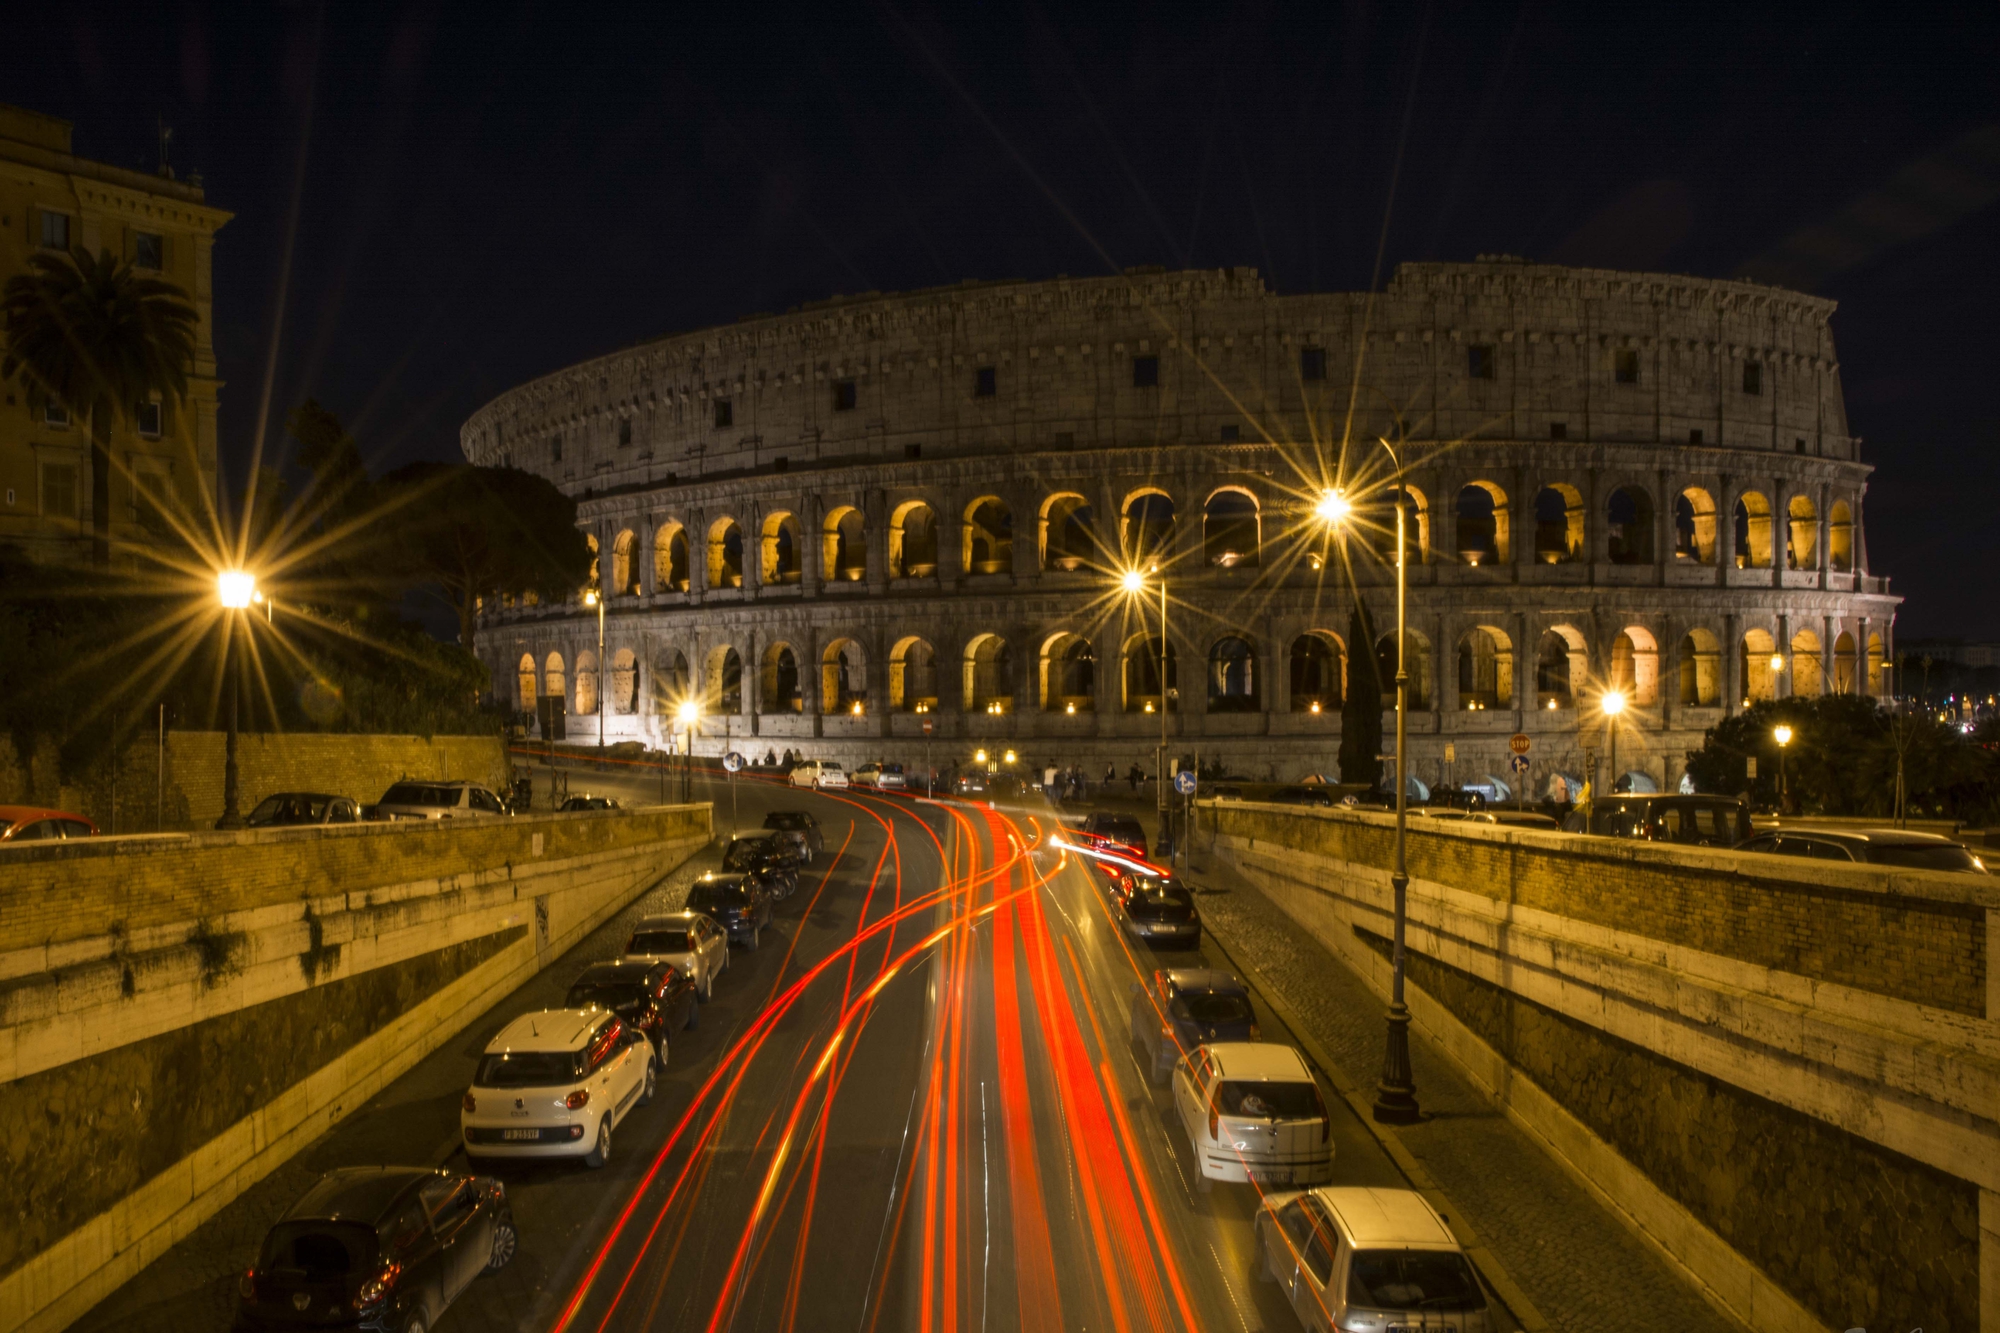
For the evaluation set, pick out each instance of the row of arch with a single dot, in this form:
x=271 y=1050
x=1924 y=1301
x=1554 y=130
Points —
x=1316 y=677
x=1483 y=528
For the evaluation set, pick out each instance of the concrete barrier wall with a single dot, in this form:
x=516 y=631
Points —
x=1785 y=1075
x=178 y=1016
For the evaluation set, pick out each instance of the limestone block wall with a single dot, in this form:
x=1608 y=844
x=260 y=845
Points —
x=1784 y=1078
x=178 y=1016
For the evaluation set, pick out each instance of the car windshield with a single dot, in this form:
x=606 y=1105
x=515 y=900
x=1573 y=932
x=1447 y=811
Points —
x=1218 y=1008
x=745 y=854
x=604 y=994
x=1936 y=856
x=1270 y=1099
x=1125 y=830
x=526 y=1069
x=1160 y=902
x=288 y=810
x=892 y=768
x=786 y=821
x=1413 y=1280
x=826 y=767
x=660 y=941
x=420 y=793
x=717 y=895
x=319 y=1249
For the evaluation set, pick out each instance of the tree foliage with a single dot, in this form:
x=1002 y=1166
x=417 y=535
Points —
x=1361 y=704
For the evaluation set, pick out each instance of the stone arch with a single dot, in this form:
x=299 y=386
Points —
x=1877 y=660
x=988 y=675
x=988 y=537
x=625 y=569
x=670 y=558
x=1700 y=669
x=1559 y=524
x=1635 y=665
x=1694 y=526
x=1378 y=523
x=1069 y=533
x=554 y=679
x=1485 y=669
x=1843 y=663
x=1140 y=673
x=1561 y=665
x=725 y=554
x=1483 y=524
x=524 y=684
x=1840 y=538
x=913 y=676
x=586 y=682
x=1628 y=515
x=778 y=549
x=1760 y=679
x=1753 y=531
x=722 y=680
x=673 y=684
x=1068 y=674
x=1418 y=652
x=778 y=685
x=843 y=677
x=1231 y=529
x=1801 y=533
x=624 y=681
x=913 y=541
x=1318 y=672
x=1146 y=528
x=1808 y=661
x=844 y=546
x=1234 y=685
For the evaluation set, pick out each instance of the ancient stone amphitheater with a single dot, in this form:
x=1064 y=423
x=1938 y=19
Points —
x=880 y=522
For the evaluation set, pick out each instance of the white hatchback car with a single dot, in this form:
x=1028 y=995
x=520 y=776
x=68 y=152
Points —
x=1253 y=1113
x=819 y=773
x=1368 y=1259
x=691 y=941
x=555 y=1084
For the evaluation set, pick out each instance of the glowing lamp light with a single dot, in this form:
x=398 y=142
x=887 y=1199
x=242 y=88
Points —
x=1614 y=703
x=1333 y=507
x=1149 y=705
x=1783 y=735
x=689 y=711
x=1315 y=705
x=1777 y=661
x=590 y=597
x=1070 y=707
x=235 y=588
x=1007 y=758
x=1552 y=705
x=856 y=710
x=979 y=756
x=1134 y=581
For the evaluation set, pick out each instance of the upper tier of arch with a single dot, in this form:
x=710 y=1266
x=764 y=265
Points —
x=1498 y=349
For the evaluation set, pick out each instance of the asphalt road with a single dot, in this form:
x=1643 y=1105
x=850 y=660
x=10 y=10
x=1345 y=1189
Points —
x=914 y=1106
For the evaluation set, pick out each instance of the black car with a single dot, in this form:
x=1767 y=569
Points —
x=738 y=903
x=774 y=861
x=1157 y=910
x=1306 y=794
x=1118 y=828
x=1899 y=848
x=801 y=828
x=1182 y=1008
x=288 y=809
x=588 y=802
x=383 y=1248
x=655 y=998
x=1699 y=821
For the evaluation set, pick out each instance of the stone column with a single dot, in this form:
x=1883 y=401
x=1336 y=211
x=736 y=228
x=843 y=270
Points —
x=752 y=526
x=697 y=544
x=1861 y=658
x=1725 y=529
x=1027 y=548
x=1829 y=663
x=950 y=541
x=1860 y=542
x=1782 y=686
x=642 y=551
x=1525 y=529
x=1732 y=666
x=875 y=532
x=812 y=542
x=1822 y=537
x=1781 y=533
x=875 y=642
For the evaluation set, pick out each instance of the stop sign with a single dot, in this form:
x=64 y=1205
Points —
x=1518 y=743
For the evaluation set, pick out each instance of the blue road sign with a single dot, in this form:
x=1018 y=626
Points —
x=1184 y=782
x=1519 y=763
x=733 y=762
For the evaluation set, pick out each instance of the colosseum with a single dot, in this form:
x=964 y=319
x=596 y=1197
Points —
x=880 y=523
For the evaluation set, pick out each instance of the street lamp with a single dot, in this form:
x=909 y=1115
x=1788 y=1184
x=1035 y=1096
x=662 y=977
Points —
x=1783 y=736
x=1134 y=583
x=592 y=598
x=690 y=717
x=1613 y=704
x=235 y=589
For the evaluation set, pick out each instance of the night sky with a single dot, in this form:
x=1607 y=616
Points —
x=473 y=196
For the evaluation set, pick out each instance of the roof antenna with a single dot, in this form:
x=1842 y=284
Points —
x=166 y=139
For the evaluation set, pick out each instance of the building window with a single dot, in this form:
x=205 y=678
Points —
x=1694 y=436
x=624 y=432
x=1628 y=366
x=148 y=250
x=1559 y=430
x=1798 y=446
x=985 y=382
x=55 y=414
x=55 y=230
x=1145 y=372
x=1231 y=434
x=59 y=490
x=1753 y=377
x=1479 y=361
x=555 y=448
x=725 y=414
x=147 y=417
x=1312 y=363
x=843 y=395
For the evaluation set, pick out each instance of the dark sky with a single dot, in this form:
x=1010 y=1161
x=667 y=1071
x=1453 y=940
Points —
x=472 y=196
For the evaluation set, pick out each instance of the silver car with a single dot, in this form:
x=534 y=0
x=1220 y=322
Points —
x=1368 y=1260
x=1253 y=1114
x=412 y=799
x=691 y=941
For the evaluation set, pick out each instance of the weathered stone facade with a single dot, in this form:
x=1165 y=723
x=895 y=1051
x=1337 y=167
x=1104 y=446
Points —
x=836 y=525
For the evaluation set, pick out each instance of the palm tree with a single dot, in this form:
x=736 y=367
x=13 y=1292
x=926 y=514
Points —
x=96 y=334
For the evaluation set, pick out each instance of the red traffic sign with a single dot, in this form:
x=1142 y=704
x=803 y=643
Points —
x=1518 y=743
x=927 y=726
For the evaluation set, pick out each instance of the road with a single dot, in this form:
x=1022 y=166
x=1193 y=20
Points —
x=915 y=1106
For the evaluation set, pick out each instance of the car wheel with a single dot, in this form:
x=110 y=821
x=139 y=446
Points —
x=704 y=992
x=1203 y=1183
x=505 y=1241
x=646 y=1089
x=600 y=1154
x=416 y=1324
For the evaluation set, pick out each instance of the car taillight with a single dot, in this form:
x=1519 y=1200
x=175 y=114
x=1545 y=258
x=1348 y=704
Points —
x=1325 y=1120
x=376 y=1288
x=1256 y=1033
x=246 y=1286
x=577 y=1100
x=470 y=1103
x=1214 y=1118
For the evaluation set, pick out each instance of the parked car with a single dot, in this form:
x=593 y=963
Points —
x=1883 y=847
x=1182 y=1007
x=437 y=800
x=655 y=998
x=382 y=1248
x=1365 y=1257
x=801 y=828
x=772 y=861
x=589 y=802
x=882 y=777
x=970 y=784
x=29 y=823
x=1156 y=910
x=1701 y=821
x=1517 y=819
x=1252 y=1112
x=819 y=773
x=287 y=808
x=555 y=1083
x=691 y=941
x=1319 y=797
x=737 y=903
x=1122 y=829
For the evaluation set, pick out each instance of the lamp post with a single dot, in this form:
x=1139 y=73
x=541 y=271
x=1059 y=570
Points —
x=591 y=597
x=690 y=716
x=1135 y=583
x=234 y=588
x=1783 y=736
x=1613 y=704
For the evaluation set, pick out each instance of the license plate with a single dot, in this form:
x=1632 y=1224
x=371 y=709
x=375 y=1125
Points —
x=1282 y=1178
x=520 y=1135
x=1423 y=1328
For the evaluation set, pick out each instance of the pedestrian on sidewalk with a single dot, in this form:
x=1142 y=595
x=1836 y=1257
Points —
x=1135 y=776
x=1110 y=776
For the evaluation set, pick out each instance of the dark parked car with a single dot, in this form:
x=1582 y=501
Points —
x=772 y=860
x=588 y=802
x=287 y=808
x=655 y=998
x=801 y=828
x=1883 y=847
x=1699 y=821
x=1304 y=794
x=1118 y=828
x=383 y=1248
x=1182 y=1008
x=737 y=903
x=1157 y=910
